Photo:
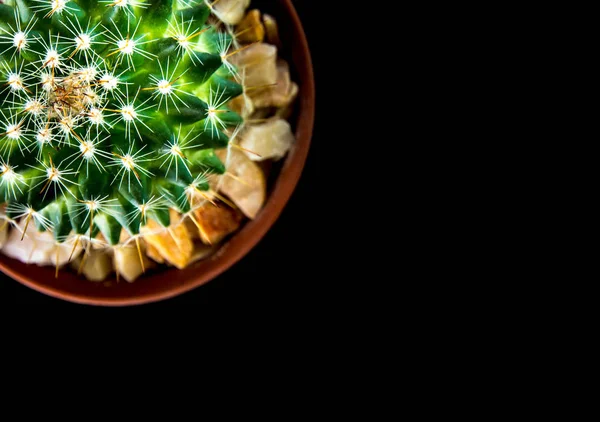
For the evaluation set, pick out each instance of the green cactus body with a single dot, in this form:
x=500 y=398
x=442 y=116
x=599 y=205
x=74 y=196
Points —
x=110 y=111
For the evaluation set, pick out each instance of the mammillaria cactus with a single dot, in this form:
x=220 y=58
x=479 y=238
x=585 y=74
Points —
x=111 y=115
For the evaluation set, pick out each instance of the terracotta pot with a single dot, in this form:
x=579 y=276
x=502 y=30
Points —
x=166 y=283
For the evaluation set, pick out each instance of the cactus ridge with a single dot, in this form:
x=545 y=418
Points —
x=111 y=111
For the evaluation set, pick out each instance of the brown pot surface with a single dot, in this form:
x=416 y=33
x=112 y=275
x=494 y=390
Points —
x=165 y=283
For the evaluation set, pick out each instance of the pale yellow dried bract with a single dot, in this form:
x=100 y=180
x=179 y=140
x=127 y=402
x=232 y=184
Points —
x=3 y=234
x=230 y=11
x=257 y=65
x=248 y=188
x=126 y=261
x=101 y=242
x=216 y=222
x=37 y=247
x=30 y=250
x=251 y=28
x=175 y=247
x=97 y=266
x=62 y=252
x=4 y=227
x=270 y=140
x=280 y=95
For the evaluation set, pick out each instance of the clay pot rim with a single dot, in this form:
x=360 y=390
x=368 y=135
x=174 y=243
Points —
x=253 y=231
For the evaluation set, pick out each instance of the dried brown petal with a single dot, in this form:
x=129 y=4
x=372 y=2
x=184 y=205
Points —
x=4 y=226
x=272 y=30
x=251 y=28
x=216 y=222
x=242 y=105
x=202 y=251
x=154 y=254
x=173 y=244
x=286 y=112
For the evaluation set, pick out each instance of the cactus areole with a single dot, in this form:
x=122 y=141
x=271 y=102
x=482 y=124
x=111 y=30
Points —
x=111 y=111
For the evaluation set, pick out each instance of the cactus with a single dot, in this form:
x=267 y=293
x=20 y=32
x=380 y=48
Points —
x=111 y=112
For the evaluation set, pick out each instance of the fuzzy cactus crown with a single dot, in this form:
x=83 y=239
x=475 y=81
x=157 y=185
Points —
x=110 y=111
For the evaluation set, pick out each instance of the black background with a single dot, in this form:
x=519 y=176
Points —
x=289 y=267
